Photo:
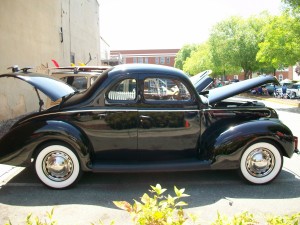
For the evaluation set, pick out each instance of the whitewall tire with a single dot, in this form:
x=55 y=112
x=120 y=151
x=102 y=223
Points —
x=261 y=163
x=57 y=166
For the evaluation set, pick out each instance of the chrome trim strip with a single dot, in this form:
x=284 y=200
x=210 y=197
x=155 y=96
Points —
x=110 y=110
x=126 y=110
x=224 y=114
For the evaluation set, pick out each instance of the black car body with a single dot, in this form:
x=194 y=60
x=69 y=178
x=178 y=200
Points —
x=139 y=118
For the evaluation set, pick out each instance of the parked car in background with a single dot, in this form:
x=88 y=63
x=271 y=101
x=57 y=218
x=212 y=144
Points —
x=276 y=90
x=79 y=77
x=146 y=118
x=294 y=91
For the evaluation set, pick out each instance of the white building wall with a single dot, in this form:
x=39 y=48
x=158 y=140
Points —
x=29 y=32
x=31 y=36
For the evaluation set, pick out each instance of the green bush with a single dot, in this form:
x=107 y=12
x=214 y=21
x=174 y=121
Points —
x=36 y=221
x=158 y=209
x=285 y=220
x=244 y=218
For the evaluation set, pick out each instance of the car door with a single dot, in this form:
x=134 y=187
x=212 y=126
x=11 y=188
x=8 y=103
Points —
x=169 y=124
x=113 y=131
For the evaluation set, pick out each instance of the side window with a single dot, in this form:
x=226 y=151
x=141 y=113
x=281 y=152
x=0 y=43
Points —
x=165 y=89
x=124 y=91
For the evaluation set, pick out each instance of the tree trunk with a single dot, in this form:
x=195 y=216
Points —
x=247 y=74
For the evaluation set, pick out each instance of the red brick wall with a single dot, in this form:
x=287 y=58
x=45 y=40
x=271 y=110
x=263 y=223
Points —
x=149 y=54
x=285 y=75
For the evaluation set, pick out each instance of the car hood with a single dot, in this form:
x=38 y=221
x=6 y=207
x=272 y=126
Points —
x=53 y=88
x=221 y=93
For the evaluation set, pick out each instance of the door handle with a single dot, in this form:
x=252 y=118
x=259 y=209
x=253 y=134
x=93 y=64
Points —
x=145 y=117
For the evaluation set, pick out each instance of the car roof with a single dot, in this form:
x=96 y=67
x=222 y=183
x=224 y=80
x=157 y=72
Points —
x=146 y=68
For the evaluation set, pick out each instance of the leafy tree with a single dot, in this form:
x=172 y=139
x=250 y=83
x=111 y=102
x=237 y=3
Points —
x=199 y=60
x=183 y=54
x=292 y=3
x=293 y=6
x=281 y=46
x=234 y=44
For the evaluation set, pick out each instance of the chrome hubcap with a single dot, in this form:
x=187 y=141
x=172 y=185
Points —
x=260 y=162
x=58 y=166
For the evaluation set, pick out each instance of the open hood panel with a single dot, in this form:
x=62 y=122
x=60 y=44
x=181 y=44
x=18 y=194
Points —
x=221 y=93
x=53 y=88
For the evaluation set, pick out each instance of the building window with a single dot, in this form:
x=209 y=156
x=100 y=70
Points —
x=140 y=59
x=168 y=60
x=146 y=60
x=156 y=60
x=280 y=77
x=72 y=57
x=162 y=60
x=134 y=60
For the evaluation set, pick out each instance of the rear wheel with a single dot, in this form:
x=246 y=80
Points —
x=293 y=95
x=57 y=166
x=261 y=163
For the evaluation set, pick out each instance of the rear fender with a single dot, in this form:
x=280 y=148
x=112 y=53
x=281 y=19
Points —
x=226 y=144
x=21 y=143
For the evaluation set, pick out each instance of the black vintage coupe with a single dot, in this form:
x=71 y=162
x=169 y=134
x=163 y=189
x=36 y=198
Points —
x=146 y=118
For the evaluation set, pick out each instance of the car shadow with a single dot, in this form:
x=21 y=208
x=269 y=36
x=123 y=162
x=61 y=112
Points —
x=204 y=188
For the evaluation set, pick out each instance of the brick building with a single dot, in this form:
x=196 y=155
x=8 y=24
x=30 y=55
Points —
x=288 y=73
x=149 y=56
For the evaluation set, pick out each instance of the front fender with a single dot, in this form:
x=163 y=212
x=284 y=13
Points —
x=18 y=146
x=226 y=144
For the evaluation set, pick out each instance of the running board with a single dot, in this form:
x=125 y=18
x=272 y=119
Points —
x=157 y=166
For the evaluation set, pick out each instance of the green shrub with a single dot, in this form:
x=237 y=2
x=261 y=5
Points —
x=158 y=209
x=244 y=218
x=36 y=221
x=285 y=220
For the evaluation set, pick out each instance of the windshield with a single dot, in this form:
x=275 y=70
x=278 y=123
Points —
x=201 y=80
x=296 y=86
x=196 y=78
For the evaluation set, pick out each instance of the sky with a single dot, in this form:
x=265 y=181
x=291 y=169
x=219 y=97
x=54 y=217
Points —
x=164 y=24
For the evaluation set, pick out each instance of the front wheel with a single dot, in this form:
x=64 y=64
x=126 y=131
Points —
x=57 y=166
x=261 y=163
